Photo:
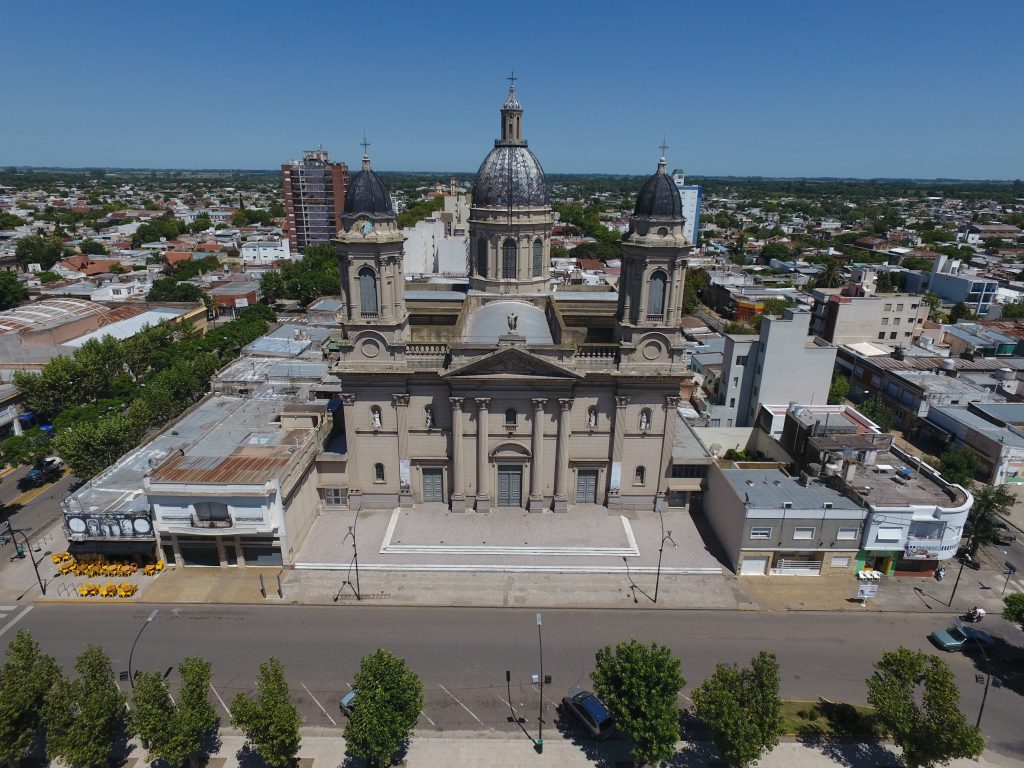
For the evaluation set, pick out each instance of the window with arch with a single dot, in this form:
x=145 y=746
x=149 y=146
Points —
x=481 y=257
x=538 y=258
x=640 y=476
x=508 y=259
x=378 y=473
x=645 y=419
x=656 y=294
x=376 y=420
x=368 y=291
x=511 y=417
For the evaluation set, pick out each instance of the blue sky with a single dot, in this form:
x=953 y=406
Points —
x=876 y=88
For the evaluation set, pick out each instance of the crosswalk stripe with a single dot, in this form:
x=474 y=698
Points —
x=15 y=620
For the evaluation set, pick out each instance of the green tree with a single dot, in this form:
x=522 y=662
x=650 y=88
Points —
x=239 y=219
x=30 y=447
x=36 y=249
x=12 y=292
x=775 y=251
x=883 y=283
x=84 y=717
x=960 y=311
x=51 y=390
x=388 y=704
x=1013 y=310
x=169 y=289
x=1013 y=607
x=839 y=389
x=876 y=410
x=742 y=707
x=272 y=286
x=9 y=220
x=916 y=700
x=91 y=247
x=831 y=275
x=26 y=677
x=202 y=223
x=47 y=277
x=991 y=502
x=958 y=465
x=92 y=446
x=639 y=684
x=934 y=302
x=269 y=721
x=177 y=733
x=697 y=281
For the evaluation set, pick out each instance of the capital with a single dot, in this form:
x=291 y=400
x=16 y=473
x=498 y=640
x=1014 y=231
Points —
x=400 y=400
x=565 y=403
x=348 y=398
x=539 y=403
x=456 y=402
x=483 y=403
x=673 y=401
x=621 y=401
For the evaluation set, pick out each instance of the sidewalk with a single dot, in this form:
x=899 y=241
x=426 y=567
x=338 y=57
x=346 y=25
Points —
x=319 y=750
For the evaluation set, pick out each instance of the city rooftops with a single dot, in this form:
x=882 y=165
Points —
x=773 y=489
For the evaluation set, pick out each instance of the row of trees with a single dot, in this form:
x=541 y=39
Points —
x=103 y=398
x=87 y=719
x=315 y=274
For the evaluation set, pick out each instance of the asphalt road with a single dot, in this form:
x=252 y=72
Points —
x=462 y=654
x=32 y=508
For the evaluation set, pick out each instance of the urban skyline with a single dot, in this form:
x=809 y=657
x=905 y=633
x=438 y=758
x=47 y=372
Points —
x=738 y=91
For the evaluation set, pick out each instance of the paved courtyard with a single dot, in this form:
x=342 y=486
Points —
x=584 y=539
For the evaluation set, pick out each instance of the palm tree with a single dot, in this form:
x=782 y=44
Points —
x=831 y=276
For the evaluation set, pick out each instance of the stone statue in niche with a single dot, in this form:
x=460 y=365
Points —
x=429 y=417
x=513 y=321
x=645 y=420
x=376 y=419
x=592 y=418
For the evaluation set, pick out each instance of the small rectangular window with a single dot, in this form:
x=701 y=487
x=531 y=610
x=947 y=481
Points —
x=899 y=307
x=885 y=321
x=732 y=402
x=881 y=336
x=335 y=496
x=889 y=534
x=893 y=335
x=896 y=321
x=760 y=533
x=741 y=360
x=803 y=533
x=840 y=561
x=888 y=307
x=846 y=534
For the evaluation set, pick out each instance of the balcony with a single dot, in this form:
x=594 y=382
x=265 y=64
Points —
x=211 y=522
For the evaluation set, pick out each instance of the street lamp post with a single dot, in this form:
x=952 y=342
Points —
x=28 y=548
x=146 y=623
x=355 y=558
x=540 y=705
x=1010 y=570
x=988 y=679
x=664 y=537
x=956 y=584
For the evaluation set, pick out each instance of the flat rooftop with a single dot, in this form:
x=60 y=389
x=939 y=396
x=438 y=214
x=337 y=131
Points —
x=769 y=488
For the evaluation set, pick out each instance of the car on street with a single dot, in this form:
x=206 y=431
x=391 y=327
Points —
x=47 y=470
x=1005 y=537
x=587 y=710
x=348 y=702
x=960 y=638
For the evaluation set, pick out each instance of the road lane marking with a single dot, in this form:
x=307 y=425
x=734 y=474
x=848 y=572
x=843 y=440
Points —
x=318 y=703
x=220 y=699
x=553 y=704
x=461 y=704
x=16 y=619
x=428 y=719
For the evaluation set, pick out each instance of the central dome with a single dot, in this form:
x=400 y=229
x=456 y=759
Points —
x=510 y=176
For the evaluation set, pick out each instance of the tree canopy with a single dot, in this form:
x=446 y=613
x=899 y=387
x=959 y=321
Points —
x=387 y=706
x=26 y=678
x=315 y=274
x=45 y=251
x=12 y=292
x=916 y=700
x=270 y=720
x=876 y=410
x=958 y=465
x=640 y=684
x=175 y=732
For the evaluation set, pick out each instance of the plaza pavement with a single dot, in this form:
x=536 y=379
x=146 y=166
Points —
x=321 y=748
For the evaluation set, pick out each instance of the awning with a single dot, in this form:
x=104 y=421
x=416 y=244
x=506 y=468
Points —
x=112 y=547
x=684 y=484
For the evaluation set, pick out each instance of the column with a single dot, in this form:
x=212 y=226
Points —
x=618 y=433
x=458 y=480
x=355 y=493
x=401 y=405
x=222 y=556
x=483 y=471
x=671 y=404
x=179 y=561
x=239 y=552
x=536 y=502
x=561 y=500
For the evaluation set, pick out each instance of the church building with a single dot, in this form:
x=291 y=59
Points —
x=518 y=393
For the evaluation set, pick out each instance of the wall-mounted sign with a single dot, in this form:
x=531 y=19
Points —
x=119 y=525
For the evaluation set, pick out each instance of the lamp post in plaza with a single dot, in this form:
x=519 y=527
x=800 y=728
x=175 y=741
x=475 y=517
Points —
x=20 y=552
x=661 y=548
x=149 y=620
x=355 y=560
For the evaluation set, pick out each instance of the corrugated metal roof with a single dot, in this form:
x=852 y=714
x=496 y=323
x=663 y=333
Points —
x=244 y=470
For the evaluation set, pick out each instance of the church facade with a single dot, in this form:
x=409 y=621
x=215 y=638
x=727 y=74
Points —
x=516 y=393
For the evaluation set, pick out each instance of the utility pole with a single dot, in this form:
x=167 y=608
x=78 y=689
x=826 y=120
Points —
x=131 y=653
x=956 y=584
x=540 y=705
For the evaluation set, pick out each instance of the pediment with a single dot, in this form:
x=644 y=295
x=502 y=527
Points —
x=510 y=362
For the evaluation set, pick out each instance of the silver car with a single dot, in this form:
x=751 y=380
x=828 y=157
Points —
x=587 y=710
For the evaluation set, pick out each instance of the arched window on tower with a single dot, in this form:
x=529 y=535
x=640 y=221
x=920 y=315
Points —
x=508 y=259
x=656 y=296
x=481 y=257
x=368 y=306
x=538 y=257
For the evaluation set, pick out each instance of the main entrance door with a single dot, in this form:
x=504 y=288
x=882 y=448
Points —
x=586 y=486
x=510 y=485
x=433 y=485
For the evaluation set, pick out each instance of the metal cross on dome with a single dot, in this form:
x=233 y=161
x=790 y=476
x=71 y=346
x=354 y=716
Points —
x=512 y=79
x=663 y=146
x=364 y=143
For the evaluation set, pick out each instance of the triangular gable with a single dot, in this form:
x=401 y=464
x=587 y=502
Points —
x=512 y=361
